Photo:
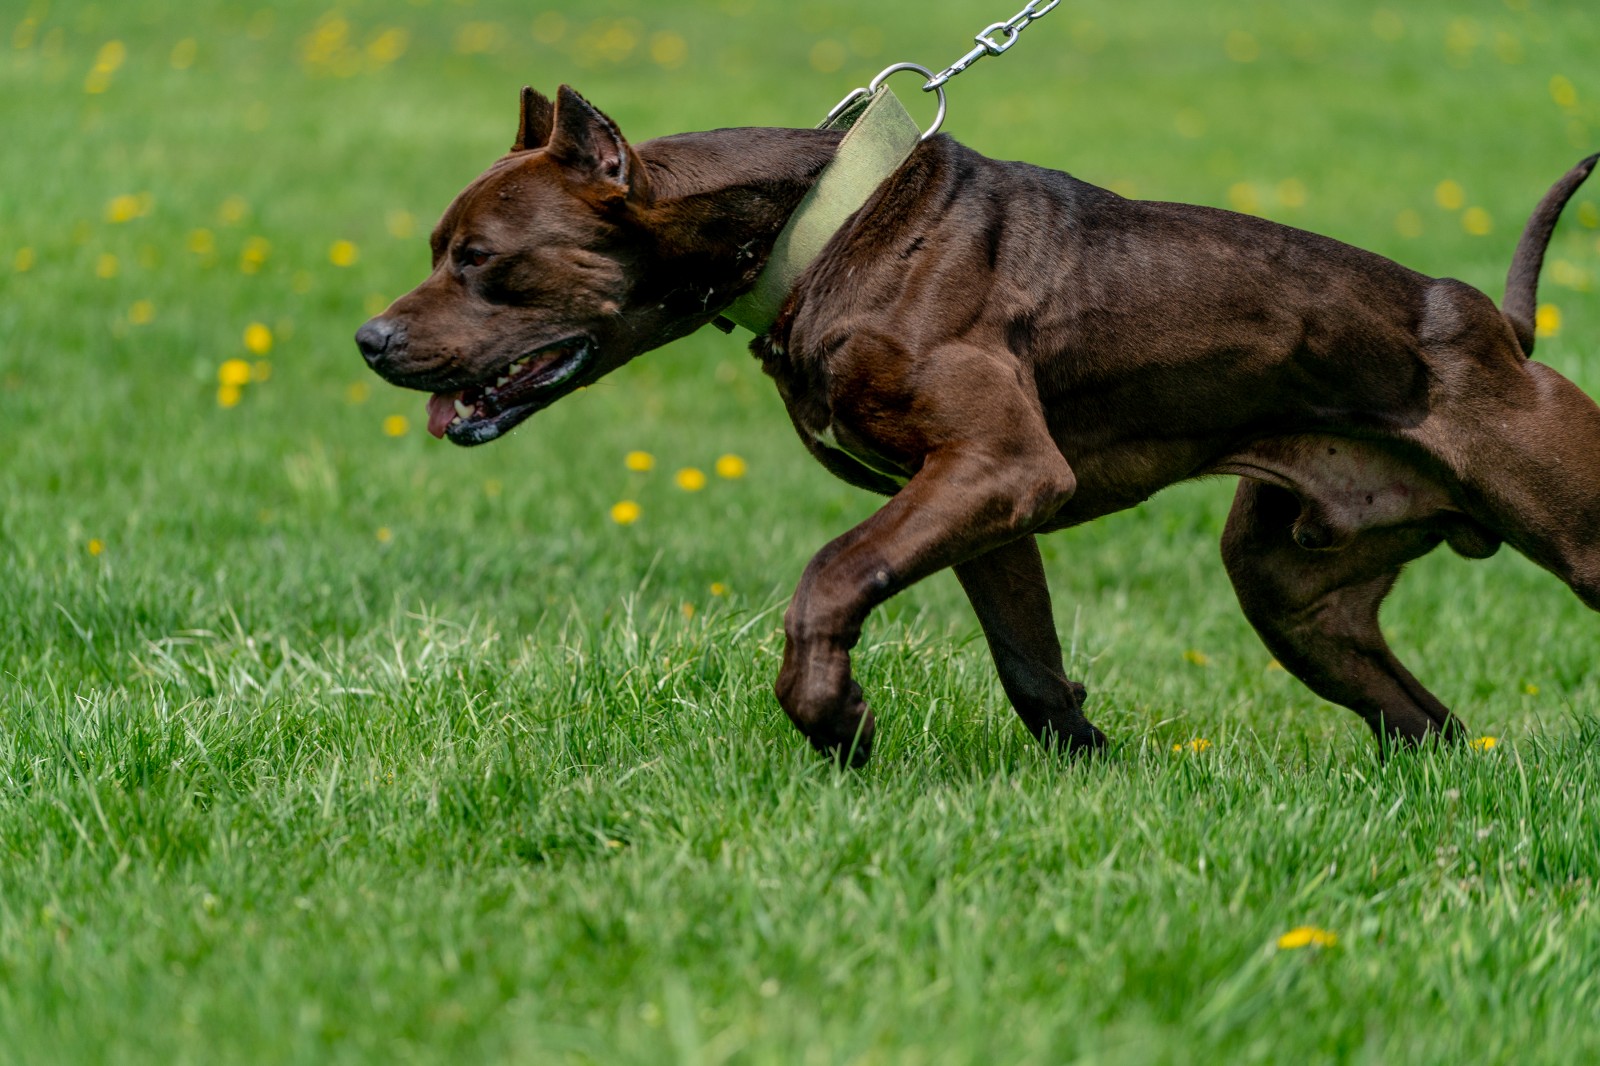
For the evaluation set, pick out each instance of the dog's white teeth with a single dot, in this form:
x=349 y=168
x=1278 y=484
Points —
x=501 y=382
x=463 y=410
x=519 y=365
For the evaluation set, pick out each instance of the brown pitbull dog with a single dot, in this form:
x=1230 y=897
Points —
x=1004 y=350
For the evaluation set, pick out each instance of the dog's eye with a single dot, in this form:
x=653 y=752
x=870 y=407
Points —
x=475 y=257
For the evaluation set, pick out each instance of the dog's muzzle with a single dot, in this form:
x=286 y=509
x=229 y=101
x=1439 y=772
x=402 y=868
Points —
x=380 y=340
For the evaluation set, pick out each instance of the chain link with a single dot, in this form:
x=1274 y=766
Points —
x=988 y=45
x=993 y=40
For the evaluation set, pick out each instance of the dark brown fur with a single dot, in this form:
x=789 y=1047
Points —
x=1004 y=350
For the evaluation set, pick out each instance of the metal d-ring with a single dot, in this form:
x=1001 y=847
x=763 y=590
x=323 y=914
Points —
x=877 y=83
x=938 y=119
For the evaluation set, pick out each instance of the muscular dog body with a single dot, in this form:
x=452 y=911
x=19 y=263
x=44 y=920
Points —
x=1003 y=350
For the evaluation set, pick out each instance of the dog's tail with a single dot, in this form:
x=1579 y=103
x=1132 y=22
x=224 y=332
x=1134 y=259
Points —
x=1522 y=283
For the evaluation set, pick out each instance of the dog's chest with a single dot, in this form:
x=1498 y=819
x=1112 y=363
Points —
x=804 y=387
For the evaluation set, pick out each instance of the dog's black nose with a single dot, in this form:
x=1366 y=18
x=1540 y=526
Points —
x=376 y=338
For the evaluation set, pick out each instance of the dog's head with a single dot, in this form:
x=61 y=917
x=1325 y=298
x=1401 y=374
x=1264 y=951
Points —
x=535 y=289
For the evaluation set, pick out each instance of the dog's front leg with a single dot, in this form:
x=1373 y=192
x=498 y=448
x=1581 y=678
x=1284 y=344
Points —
x=990 y=473
x=1007 y=588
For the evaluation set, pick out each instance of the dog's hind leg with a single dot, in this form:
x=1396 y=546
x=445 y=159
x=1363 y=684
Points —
x=1530 y=463
x=1317 y=611
x=1008 y=592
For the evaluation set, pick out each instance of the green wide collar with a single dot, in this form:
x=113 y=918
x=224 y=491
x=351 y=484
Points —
x=880 y=135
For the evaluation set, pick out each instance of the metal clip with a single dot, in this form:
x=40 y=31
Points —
x=993 y=48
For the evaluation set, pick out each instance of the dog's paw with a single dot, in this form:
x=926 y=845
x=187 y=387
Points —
x=1073 y=739
x=847 y=735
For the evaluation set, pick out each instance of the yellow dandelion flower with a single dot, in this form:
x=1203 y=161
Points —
x=827 y=56
x=625 y=512
x=1477 y=222
x=669 y=49
x=639 y=461
x=1274 y=665
x=96 y=545
x=1307 y=936
x=1483 y=743
x=124 y=208
x=357 y=392
x=343 y=253
x=690 y=479
x=111 y=56
x=260 y=370
x=396 y=426
x=1292 y=192
x=228 y=395
x=1197 y=657
x=1566 y=273
x=388 y=46
x=1461 y=38
x=257 y=338
x=141 y=312
x=1242 y=197
x=402 y=224
x=730 y=466
x=254 y=253
x=1530 y=689
x=1563 y=92
x=106 y=266
x=1449 y=195
x=202 y=242
x=687 y=609
x=718 y=589
x=1196 y=745
x=183 y=53
x=1547 y=320
x=23 y=261
x=493 y=488
x=385 y=534
x=233 y=210
x=234 y=372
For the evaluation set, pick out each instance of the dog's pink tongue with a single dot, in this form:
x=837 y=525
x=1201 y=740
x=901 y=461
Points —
x=441 y=411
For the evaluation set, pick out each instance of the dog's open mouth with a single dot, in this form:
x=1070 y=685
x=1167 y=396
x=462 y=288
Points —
x=479 y=414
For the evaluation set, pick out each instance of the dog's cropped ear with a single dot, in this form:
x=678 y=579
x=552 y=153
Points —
x=538 y=119
x=590 y=147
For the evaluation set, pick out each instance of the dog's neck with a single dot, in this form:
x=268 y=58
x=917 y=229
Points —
x=717 y=202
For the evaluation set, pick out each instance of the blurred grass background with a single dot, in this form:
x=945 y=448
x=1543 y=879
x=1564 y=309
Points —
x=323 y=740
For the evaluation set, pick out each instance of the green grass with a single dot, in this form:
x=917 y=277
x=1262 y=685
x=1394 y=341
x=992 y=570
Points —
x=357 y=747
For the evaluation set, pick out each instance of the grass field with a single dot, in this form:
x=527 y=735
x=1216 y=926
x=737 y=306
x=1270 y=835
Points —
x=322 y=741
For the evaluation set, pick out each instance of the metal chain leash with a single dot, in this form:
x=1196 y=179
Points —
x=993 y=40
x=1011 y=29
